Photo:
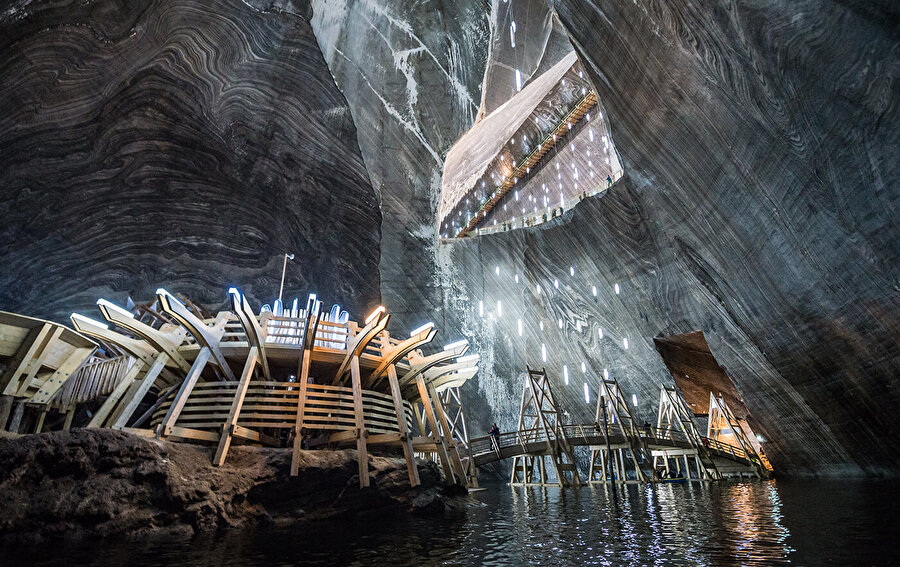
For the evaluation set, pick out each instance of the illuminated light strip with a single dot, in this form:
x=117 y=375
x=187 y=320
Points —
x=426 y=327
x=531 y=160
x=80 y=322
x=372 y=315
x=113 y=307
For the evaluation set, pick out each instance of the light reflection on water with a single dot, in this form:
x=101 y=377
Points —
x=750 y=523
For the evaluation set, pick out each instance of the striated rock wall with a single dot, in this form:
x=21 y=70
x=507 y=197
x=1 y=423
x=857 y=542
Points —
x=412 y=74
x=182 y=144
x=759 y=206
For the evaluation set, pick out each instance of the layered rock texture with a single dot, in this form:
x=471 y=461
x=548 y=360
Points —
x=759 y=206
x=759 y=141
x=178 y=144
x=110 y=483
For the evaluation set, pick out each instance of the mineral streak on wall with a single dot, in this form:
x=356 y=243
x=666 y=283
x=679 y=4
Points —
x=176 y=143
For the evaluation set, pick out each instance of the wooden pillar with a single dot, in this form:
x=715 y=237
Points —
x=70 y=415
x=452 y=452
x=17 y=417
x=687 y=468
x=131 y=403
x=405 y=436
x=6 y=403
x=362 y=454
x=236 y=404
x=40 y=421
x=435 y=432
x=184 y=392
x=303 y=377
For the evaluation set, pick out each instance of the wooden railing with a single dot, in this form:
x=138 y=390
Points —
x=578 y=434
x=274 y=405
x=97 y=377
x=289 y=331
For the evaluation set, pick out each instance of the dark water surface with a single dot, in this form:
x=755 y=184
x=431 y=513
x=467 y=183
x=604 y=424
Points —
x=749 y=523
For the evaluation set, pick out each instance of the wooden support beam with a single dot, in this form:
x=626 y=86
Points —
x=9 y=380
x=17 y=417
x=35 y=364
x=361 y=451
x=40 y=421
x=405 y=434
x=184 y=392
x=303 y=377
x=6 y=403
x=447 y=434
x=435 y=432
x=70 y=415
x=130 y=404
x=112 y=400
x=235 y=411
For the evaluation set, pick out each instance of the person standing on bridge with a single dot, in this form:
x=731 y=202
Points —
x=494 y=432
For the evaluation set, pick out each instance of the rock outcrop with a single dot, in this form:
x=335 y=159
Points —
x=97 y=482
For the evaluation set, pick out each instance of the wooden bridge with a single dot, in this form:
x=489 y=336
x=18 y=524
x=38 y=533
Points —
x=620 y=450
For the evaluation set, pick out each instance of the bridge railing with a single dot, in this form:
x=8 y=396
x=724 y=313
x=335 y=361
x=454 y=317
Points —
x=726 y=448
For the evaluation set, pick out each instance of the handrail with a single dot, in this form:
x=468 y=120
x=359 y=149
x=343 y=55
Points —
x=581 y=432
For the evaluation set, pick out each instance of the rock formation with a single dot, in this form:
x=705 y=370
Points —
x=110 y=483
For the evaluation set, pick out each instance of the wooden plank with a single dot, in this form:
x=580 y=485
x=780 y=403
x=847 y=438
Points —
x=33 y=341
x=435 y=432
x=38 y=361
x=185 y=391
x=40 y=422
x=303 y=376
x=54 y=381
x=132 y=403
x=411 y=467
x=235 y=411
x=362 y=454
x=189 y=433
x=113 y=398
x=452 y=453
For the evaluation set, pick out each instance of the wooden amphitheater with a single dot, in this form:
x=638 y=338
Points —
x=298 y=378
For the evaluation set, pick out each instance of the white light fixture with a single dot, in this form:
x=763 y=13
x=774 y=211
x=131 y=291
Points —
x=566 y=374
x=419 y=330
x=556 y=284
x=583 y=367
x=372 y=316
x=81 y=322
x=455 y=345
x=605 y=374
x=571 y=270
x=113 y=307
x=517 y=278
x=481 y=308
x=618 y=289
x=625 y=343
x=543 y=352
x=542 y=325
x=499 y=309
x=587 y=393
x=559 y=323
x=497 y=270
x=594 y=290
x=634 y=399
x=520 y=327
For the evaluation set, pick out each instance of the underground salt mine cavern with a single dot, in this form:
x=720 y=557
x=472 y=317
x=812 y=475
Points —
x=506 y=282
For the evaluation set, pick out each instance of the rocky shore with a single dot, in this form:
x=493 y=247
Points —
x=99 y=482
